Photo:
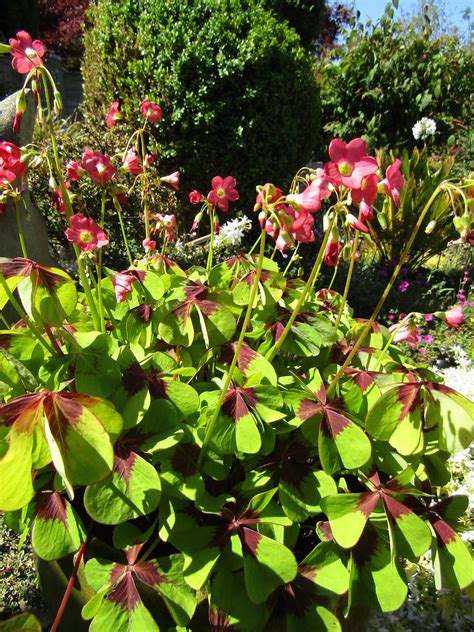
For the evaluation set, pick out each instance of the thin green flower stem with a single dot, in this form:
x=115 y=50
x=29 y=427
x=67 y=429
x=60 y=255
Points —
x=99 y=268
x=211 y=242
x=144 y=196
x=333 y=278
x=118 y=208
x=67 y=203
x=4 y=321
x=275 y=248
x=243 y=331
x=304 y=294
x=52 y=339
x=348 y=279
x=383 y=298
x=22 y=314
x=255 y=244
x=291 y=259
x=390 y=340
x=20 y=230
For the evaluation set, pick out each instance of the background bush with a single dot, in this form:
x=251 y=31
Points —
x=235 y=84
x=385 y=77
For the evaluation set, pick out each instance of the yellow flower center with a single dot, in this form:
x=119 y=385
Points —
x=86 y=236
x=345 y=169
x=220 y=193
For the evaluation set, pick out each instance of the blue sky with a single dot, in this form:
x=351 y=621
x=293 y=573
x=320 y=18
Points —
x=373 y=9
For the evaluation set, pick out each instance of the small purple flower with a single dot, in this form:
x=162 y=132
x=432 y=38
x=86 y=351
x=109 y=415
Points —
x=402 y=315
x=404 y=285
x=391 y=316
x=428 y=338
x=428 y=317
x=461 y=297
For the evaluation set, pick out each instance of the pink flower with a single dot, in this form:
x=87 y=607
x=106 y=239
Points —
x=349 y=163
x=85 y=233
x=393 y=182
x=172 y=179
x=332 y=253
x=74 y=171
x=366 y=212
x=149 y=244
x=356 y=223
x=404 y=285
x=223 y=191
x=428 y=317
x=454 y=316
x=302 y=228
x=195 y=197
x=150 y=159
x=57 y=201
x=428 y=338
x=6 y=177
x=113 y=115
x=132 y=163
x=10 y=158
x=367 y=191
x=26 y=54
x=269 y=193
x=98 y=166
x=151 y=111
x=122 y=283
x=311 y=198
x=406 y=333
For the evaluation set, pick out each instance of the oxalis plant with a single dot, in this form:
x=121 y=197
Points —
x=220 y=447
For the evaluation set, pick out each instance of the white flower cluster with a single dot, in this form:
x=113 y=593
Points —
x=423 y=128
x=232 y=232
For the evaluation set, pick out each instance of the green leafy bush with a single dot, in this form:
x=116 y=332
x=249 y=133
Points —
x=234 y=83
x=395 y=225
x=387 y=76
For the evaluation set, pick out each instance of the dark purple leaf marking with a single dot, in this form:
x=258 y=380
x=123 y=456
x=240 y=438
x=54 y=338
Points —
x=134 y=379
x=219 y=621
x=125 y=593
x=51 y=506
x=366 y=547
x=62 y=411
x=333 y=422
x=367 y=502
x=409 y=396
x=362 y=379
x=301 y=593
x=250 y=540
x=24 y=407
x=184 y=459
x=16 y=267
x=123 y=462
x=308 y=408
x=144 y=312
x=196 y=294
x=394 y=509
x=238 y=402
x=444 y=533
x=291 y=459
x=148 y=574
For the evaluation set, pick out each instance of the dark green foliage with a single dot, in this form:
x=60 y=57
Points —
x=307 y=17
x=234 y=82
x=386 y=77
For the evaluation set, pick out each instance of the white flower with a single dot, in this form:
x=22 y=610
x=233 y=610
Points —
x=232 y=232
x=423 y=128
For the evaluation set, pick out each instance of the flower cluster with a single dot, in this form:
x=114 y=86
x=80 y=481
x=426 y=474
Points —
x=424 y=128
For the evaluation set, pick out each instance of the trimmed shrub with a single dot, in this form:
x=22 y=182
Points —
x=235 y=84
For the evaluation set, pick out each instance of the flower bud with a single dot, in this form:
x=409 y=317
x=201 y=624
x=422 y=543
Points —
x=430 y=228
x=52 y=183
x=382 y=220
x=346 y=252
x=21 y=102
x=58 y=103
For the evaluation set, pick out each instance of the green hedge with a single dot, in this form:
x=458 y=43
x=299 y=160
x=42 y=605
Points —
x=235 y=84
